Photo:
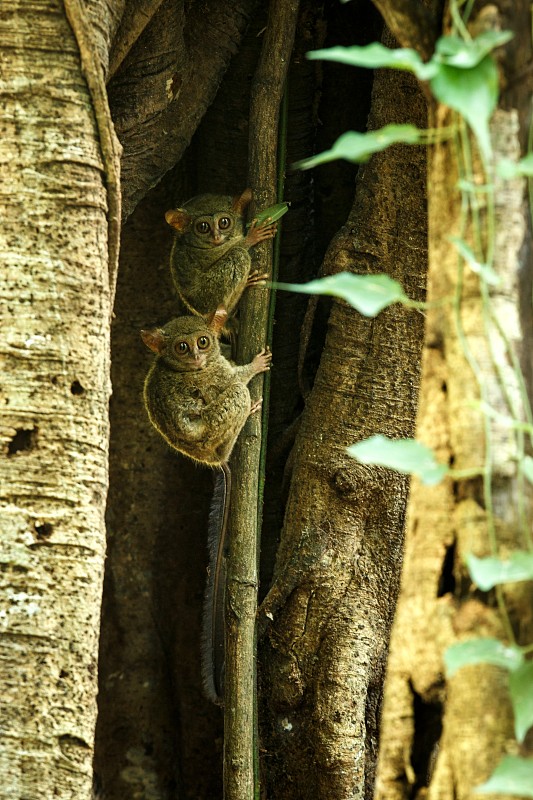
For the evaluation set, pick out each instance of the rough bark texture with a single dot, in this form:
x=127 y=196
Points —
x=153 y=721
x=319 y=199
x=54 y=397
x=442 y=737
x=413 y=23
x=240 y=739
x=159 y=100
x=156 y=732
x=336 y=575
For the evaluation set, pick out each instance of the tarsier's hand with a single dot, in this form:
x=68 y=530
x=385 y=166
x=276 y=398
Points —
x=262 y=234
x=256 y=279
x=262 y=361
x=256 y=406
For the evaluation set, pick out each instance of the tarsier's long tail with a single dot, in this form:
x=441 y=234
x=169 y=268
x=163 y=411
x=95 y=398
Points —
x=213 y=623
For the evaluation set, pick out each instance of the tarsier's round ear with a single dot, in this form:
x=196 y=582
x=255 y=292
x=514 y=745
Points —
x=154 y=339
x=217 y=319
x=178 y=219
x=241 y=201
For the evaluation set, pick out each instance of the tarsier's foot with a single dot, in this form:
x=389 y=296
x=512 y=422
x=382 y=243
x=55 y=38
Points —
x=256 y=406
x=263 y=360
x=254 y=279
x=256 y=235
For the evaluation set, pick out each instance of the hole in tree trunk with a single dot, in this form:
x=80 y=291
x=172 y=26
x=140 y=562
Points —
x=428 y=730
x=24 y=439
x=447 y=578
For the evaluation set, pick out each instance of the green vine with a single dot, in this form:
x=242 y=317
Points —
x=463 y=75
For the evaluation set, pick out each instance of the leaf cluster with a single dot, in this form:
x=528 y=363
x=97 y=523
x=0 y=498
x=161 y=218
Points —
x=463 y=75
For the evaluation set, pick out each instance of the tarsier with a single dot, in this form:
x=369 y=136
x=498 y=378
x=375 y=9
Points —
x=199 y=402
x=210 y=262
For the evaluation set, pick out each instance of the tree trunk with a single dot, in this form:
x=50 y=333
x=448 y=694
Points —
x=156 y=731
x=326 y=619
x=440 y=738
x=55 y=294
x=336 y=575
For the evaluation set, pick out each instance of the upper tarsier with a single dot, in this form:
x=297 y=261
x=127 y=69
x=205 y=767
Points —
x=210 y=262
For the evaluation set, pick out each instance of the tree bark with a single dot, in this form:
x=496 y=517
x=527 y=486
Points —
x=240 y=688
x=337 y=568
x=157 y=103
x=440 y=738
x=55 y=292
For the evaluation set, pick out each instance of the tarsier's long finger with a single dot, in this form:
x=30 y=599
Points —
x=254 y=279
x=267 y=231
x=259 y=234
x=256 y=406
x=263 y=361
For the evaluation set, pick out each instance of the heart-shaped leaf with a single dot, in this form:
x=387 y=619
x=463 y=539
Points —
x=376 y=55
x=465 y=54
x=513 y=169
x=354 y=146
x=369 y=294
x=491 y=571
x=513 y=775
x=271 y=214
x=402 y=455
x=482 y=651
x=473 y=93
x=521 y=686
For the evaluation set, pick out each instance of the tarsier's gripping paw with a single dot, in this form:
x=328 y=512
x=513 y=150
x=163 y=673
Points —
x=256 y=406
x=263 y=360
x=256 y=279
x=261 y=234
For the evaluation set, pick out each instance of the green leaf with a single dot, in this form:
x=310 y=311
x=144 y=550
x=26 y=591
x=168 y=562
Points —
x=491 y=571
x=474 y=188
x=509 y=422
x=513 y=775
x=521 y=686
x=527 y=467
x=473 y=93
x=457 y=52
x=270 y=214
x=511 y=169
x=375 y=55
x=486 y=271
x=355 y=146
x=402 y=455
x=482 y=651
x=369 y=294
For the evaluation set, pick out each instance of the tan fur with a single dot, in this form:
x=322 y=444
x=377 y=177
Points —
x=210 y=263
x=197 y=399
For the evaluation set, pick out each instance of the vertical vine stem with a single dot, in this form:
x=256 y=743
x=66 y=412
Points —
x=240 y=740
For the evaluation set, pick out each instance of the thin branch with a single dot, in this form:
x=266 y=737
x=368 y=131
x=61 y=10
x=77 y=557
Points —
x=241 y=592
x=411 y=23
x=110 y=146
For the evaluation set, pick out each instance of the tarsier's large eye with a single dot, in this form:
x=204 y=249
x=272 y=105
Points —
x=202 y=226
x=203 y=342
x=224 y=223
x=182 y=347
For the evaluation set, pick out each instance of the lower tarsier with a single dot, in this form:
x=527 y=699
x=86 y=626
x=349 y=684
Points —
x=196 y=398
